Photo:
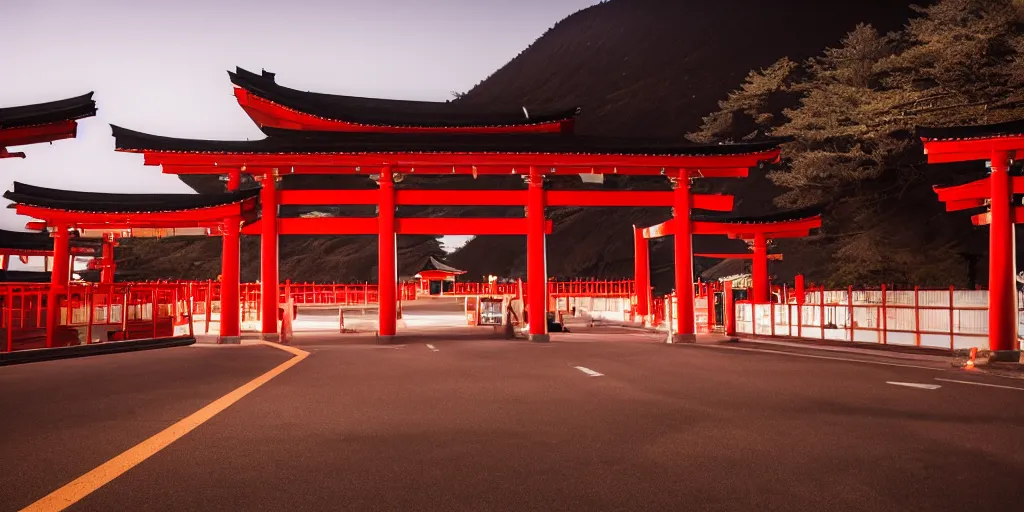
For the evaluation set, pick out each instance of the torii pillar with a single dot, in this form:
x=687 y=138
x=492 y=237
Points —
x=1002 y=292
x=230 y=324
x=387 y=259
x=536 y=258
x=107 y=259
x=270 y=288
x=683 y=244
x=759 y=269
x=58 y=280
x=642 y=273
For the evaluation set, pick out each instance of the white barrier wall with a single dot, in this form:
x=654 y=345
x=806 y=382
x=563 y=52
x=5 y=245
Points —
x=952 y=319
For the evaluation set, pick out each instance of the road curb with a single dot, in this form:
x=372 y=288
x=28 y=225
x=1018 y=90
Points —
x=95 y=349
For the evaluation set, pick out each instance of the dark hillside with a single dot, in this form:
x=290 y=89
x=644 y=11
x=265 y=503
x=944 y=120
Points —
x=654 y=68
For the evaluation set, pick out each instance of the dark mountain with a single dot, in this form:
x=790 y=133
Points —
x=638 y=68
x=654 y=68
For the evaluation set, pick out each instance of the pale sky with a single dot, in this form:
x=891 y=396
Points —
x=160 y=67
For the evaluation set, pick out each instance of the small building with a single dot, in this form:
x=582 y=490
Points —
x=735 y=271
x=436 y=278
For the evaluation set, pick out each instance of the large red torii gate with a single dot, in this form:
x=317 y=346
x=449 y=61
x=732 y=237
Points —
x=1000 y=145
x=757 y=231
x=101 y=214
x=311 y=133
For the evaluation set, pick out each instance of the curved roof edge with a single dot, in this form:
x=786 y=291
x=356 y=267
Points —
x=281 y=141
x=68 y=109
x=809 y=212
x=392 y=112
x=99 y=202
x=983 y=131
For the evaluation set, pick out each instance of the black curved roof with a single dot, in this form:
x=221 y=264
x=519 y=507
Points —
x=394 y=113
x=24 y=276
x=37 y=241
x=1007 y=129
x=433 y=264
x=97 y=202
x=301 y=142
x=781 y=216
x=51 y=112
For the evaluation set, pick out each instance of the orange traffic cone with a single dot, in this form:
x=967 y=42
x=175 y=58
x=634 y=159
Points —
x=970 y=362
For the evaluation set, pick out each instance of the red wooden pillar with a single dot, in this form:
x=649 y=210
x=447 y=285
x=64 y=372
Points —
x=107 y=259
x=230 y=325
x=641 y=273
x=729 y=308
x=685 y=322
x=536 y=258
x=58 y=280
x=1002 y=294
x=387 y=272
x=269 y=286
x=5 y=262
x=759 y=269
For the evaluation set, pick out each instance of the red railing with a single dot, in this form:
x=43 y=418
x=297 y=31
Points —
x=91 y=313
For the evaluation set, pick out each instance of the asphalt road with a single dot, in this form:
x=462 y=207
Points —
x=509 y=425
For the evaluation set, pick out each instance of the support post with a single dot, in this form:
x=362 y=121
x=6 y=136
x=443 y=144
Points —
x=58 y=281
x=1002 y=293
x=107 y=259
x=759 y=269
x=269 y=286
x=5 y=262
x=387 y=272
x=641 y=274
x=799 y=285
x=230 y=325
x=729 y=308
x=536 y=258
x=683 y=244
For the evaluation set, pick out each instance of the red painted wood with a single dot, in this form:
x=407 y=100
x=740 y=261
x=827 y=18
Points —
x=1002 y=316
x=265 y=112
x=269 y=256
x=37 y=134
x=387 y=273
x=464 y=163
x=118 y=221
x=683 y=246
x=641 y=272
x=536 y=256
x=972 y=149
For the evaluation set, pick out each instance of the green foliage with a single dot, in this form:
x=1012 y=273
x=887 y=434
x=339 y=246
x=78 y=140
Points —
x=851 y=116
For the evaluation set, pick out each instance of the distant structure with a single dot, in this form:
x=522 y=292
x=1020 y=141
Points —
x=42 y=122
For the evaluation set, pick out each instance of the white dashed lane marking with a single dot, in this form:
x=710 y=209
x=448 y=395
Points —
x=588 y=371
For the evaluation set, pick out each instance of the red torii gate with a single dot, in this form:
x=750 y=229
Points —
x=127 y=214
x=311 y=133
x=757 y=231
x=42 y=122
x=999 y=144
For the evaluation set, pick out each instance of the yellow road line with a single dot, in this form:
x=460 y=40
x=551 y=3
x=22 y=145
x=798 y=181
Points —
x=113 y=468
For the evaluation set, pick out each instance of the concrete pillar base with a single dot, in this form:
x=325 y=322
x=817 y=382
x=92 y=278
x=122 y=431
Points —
x=272 y=337
x=385 y=340
x=684 y=338
x=229 y=340
x=540 y=338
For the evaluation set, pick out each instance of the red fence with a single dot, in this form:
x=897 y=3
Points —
x=91 y=313
x=949 y=318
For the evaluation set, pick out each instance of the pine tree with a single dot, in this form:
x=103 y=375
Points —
x=851 y=121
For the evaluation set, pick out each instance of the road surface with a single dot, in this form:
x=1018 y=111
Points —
x=594 y=421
